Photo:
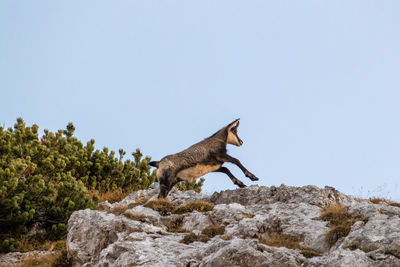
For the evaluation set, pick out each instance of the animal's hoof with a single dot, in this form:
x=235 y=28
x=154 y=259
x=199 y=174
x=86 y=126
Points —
x=251 y=176
x=242 y=185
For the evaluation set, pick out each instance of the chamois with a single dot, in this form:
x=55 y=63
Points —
x=200 y=159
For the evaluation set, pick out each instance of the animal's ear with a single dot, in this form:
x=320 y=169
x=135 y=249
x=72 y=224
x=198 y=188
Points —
x=233 y=124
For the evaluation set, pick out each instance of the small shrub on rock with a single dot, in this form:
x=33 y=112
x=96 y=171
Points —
x=118 y=210
x=174 y=224
x=274 y=236
x=112 y=196
x=166 y=207
x=192 y=237
x=47 y=260
x=201 y=206
x=338 y=231
x=195 y=185
x=206 y=234
x=189 y=238
x=213 y=230
x=335 y=214
x=58 y=231
x=309 y=253
x=135 y=216
x=10 y=245
x=340 y=221
x=279 y=239
x=162 y=205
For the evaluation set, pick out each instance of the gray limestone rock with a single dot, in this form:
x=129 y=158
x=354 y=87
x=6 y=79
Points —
x=146 y=238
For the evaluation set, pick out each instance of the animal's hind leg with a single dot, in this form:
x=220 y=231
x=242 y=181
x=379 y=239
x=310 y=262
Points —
x=227 y=158
x=233 y=178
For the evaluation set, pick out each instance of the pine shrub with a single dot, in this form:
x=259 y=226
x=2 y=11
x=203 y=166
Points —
x=196 y=185
x=43 y=180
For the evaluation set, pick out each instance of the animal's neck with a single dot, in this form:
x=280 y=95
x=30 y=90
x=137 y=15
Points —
x=221 y=135
x=220 y=139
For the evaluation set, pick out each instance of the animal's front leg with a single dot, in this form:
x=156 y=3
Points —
x=164 y=190
x=166 y=183
x=227 y=158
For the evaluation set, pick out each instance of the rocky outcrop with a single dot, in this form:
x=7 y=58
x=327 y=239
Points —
x=253 y=226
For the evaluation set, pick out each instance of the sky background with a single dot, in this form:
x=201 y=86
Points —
x=315 y=83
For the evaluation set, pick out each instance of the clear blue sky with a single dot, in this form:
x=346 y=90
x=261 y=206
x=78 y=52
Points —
x=315 y=83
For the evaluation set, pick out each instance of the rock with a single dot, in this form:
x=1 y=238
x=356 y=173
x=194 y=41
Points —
x=137 y=196
x=196 y=221
x=229 y=213
x=343 y=258
x=380 y=234
x=181 y=198
x=90 y=231
x=244 y=252
x=285 y=194
x=252 y=219
x=296 y=220
x=146 y=215
x=142 y=196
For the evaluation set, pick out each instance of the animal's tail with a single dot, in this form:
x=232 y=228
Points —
x=154 y=163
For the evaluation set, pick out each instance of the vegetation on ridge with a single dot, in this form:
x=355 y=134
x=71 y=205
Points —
x=340 y=222
x=386 y=201
x=43 y=180
x=274 y=236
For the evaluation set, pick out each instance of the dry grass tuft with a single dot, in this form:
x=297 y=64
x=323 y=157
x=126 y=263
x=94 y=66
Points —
x=274 y=236
x=162 y=205
x=62 y=260
x=121 y=209
x=338 y=231
x=335 y=214
x=135 y=216
x=192 y=237
x=174 y=225
x=386 y=201
x=226 y=237
x=206 y=234
x=309 y=253
x=340 y=221
x=213 y=230
x=247 y=215
x=201 y=206
x=111 y=196
x=279 y=239
x=27 y=244
x=40 y=260
x=57 y=259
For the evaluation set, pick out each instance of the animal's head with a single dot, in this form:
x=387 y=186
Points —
x=233 y=137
